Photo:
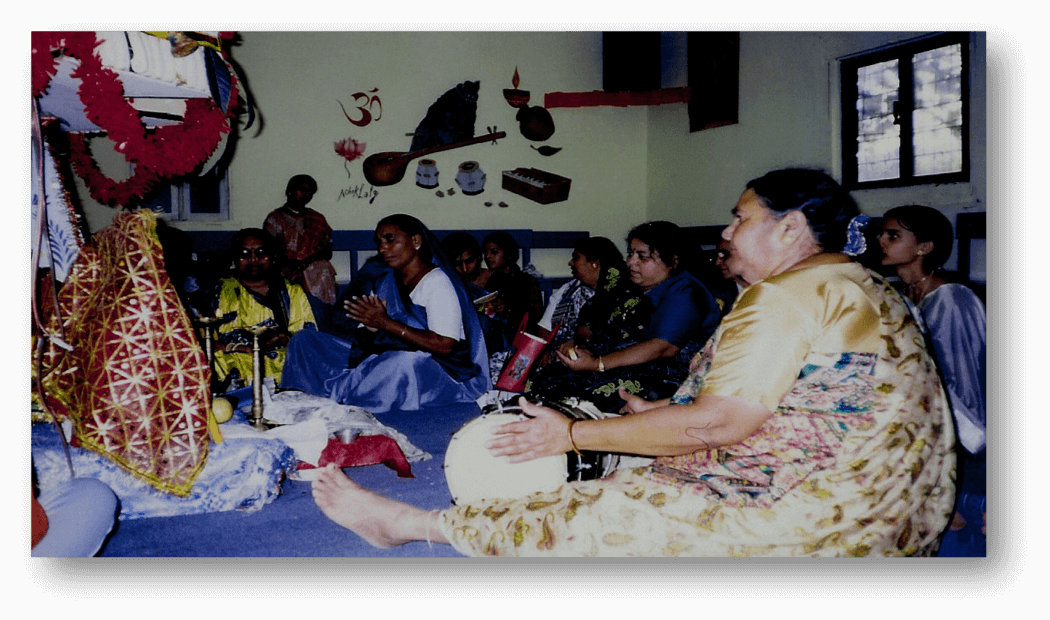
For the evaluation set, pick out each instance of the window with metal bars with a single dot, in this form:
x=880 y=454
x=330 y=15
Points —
x=905 y=113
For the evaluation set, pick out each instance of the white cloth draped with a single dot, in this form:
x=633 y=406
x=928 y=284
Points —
x=151 y=57
x=63 y=239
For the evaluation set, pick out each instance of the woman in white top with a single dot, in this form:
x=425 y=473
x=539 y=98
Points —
x=419 y=343
x=916 y=241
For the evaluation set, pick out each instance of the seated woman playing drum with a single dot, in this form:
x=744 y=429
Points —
x=419 y=344
x=812 y=424
x=645 y=322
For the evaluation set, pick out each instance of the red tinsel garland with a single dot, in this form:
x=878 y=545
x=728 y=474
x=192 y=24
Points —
x=164 y=152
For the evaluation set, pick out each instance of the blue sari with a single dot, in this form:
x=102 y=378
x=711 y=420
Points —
x=381 y=372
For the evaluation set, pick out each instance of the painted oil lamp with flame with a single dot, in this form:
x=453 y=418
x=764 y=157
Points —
x=516 y=98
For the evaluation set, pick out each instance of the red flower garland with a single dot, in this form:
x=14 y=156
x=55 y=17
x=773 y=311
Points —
x=166 y=152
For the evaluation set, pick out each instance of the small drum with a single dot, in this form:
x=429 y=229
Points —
x=473 y=473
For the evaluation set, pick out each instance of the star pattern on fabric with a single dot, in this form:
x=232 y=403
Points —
x=136 y=383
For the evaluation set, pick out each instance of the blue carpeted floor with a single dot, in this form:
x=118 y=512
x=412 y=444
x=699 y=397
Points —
x=292 y=525
x=968 y=542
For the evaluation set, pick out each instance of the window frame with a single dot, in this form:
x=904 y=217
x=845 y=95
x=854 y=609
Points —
x=903 y=52
x=182 y=203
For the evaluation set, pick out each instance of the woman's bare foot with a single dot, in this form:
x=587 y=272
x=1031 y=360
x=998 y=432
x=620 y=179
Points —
x=381 y=521
x=958 y=523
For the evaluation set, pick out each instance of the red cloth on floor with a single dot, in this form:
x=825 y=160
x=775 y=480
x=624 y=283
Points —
x=365 y=450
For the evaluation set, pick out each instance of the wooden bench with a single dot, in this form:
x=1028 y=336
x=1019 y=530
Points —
x=210 y=247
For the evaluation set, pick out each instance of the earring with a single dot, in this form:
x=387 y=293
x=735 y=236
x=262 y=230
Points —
x=920 y=253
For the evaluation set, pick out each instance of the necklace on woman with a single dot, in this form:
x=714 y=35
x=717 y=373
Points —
x=925 y=282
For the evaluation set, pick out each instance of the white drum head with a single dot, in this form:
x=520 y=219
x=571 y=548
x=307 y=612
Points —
x=473 y=473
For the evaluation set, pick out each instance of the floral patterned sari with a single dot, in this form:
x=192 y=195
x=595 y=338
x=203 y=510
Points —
x=857 y=459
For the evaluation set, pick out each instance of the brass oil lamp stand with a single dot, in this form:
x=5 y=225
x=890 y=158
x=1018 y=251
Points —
x=257 y=420
x=206 y=323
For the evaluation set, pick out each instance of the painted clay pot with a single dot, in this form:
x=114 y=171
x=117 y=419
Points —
x=535 y=123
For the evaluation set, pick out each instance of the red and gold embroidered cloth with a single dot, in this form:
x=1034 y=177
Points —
x=136 y=382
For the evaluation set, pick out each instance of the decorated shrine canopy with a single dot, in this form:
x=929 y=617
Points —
x=162 y=151
x=118 y=354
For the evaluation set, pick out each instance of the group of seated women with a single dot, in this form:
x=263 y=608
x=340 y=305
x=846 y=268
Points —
x=810 y=419
x=813 y=422
x=407 y=334
x=630 y=326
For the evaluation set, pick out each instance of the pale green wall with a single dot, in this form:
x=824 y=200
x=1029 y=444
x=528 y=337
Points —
x=297 y=78
x=627 y=165
x=789 y=109
x=114 y=166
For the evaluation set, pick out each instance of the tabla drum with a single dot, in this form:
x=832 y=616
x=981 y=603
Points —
x=473 y=473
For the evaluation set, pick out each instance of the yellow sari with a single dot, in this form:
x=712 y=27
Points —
x=249 y=310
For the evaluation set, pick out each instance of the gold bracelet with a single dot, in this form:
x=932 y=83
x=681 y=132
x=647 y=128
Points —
x=571 y=442
x=601 y=364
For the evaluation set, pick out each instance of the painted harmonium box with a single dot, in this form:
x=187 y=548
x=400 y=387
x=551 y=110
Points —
x=538 y=185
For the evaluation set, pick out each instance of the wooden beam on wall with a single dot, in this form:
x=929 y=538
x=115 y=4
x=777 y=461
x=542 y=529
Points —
x=621 y=99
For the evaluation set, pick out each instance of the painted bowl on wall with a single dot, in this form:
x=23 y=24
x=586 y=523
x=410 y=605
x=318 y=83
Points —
x=516 y=98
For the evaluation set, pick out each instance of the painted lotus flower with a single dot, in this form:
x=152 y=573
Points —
x=350 y=149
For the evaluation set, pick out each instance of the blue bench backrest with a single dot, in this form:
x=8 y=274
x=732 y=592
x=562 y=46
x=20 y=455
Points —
x=212 y=243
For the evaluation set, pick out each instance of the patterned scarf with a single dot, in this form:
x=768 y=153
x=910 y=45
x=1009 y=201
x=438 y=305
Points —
x=567 y=312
